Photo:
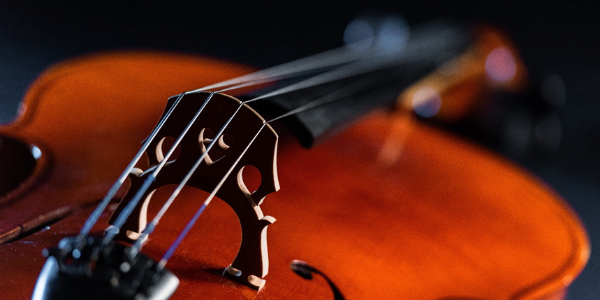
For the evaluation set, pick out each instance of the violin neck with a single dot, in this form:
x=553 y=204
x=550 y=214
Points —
x=379 y=85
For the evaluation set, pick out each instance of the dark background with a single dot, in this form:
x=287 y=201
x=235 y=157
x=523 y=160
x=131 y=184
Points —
x=554 y=37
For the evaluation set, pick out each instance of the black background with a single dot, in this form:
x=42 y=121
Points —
x=555 y=37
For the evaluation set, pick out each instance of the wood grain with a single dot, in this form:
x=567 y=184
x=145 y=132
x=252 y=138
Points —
x=447 y=220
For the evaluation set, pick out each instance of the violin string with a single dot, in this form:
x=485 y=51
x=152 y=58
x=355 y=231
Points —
x=343 y=72
x=151 y=225
x=346 y=91
x=206 y=202
x=126 y=212
x=354 y=69
x=419 y=51
x=122 y=217
x=298 y=67
x=259 y=77
x=333 y=57
x=340 y=93
x=93 y=218
x=136 y=247
x=358 y=67
x=424 y=39
x=347 y=71
x=323 y=78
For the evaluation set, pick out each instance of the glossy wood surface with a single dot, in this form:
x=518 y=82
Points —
x=448 y=220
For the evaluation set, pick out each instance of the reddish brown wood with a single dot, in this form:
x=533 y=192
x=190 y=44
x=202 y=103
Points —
x=447 y=220
x=81 y=168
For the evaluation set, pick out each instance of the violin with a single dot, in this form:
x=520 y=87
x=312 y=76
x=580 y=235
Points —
x=446 y=219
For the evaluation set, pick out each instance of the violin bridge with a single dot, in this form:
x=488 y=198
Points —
x=252 y=142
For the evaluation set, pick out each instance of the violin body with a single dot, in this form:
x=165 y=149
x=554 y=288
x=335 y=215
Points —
x=448 y=220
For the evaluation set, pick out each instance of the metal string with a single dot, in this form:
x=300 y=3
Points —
x=295 y=68
x=122 y=217
x=330 y=58
x=305 y=65
x=340 y=93
x=126 y=212
x=113 y=230
x=340 y=73
x=429 y=37
x=191 y=223
x=113 y=190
